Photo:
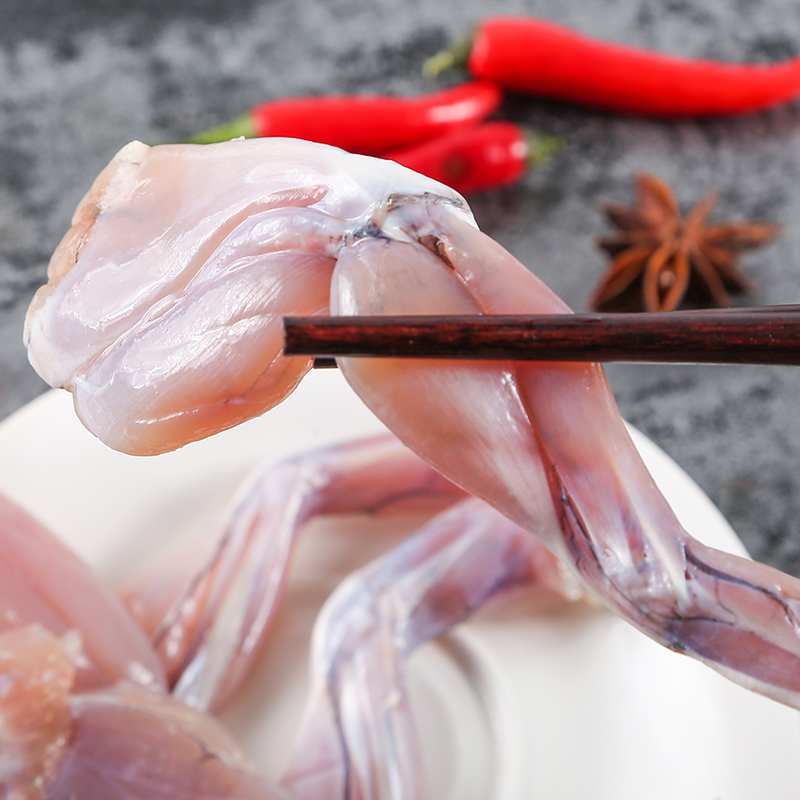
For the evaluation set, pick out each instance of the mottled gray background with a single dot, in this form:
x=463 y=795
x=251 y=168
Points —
x=79 y=78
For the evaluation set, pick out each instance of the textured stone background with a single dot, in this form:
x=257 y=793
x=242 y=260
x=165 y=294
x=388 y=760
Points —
x=79 y=78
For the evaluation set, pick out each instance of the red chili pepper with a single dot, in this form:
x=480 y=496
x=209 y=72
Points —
x=539 y=57
x=363 y=124
x=480 y=157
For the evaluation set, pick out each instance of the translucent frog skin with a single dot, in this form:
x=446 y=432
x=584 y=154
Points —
x=162 y=316
x=141 y=263
x=96 y=707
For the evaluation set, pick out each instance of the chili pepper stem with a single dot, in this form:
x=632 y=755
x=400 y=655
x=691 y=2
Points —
x=541 y=147
x=233 y=129
x=452 y=57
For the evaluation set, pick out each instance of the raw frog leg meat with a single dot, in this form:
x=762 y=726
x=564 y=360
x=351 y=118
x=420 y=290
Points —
x=352 y=743
x=127 y=743
x=162 y=315
x=546 y=445
x=208 y=608
x=37 y=672
x=167 y=299
x=117 y=739
x=358 y=729
x=84 y=711
x=44 y=583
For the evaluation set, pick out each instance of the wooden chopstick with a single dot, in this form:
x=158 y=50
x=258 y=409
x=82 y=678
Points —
x=754 y=335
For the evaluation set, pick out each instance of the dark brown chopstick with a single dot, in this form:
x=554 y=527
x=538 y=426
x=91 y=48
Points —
x=755 y=335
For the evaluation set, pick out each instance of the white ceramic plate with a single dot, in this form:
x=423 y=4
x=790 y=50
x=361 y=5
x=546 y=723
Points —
x=565 y=704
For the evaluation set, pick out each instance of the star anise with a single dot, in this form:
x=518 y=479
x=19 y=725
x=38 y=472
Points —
x=661 y=260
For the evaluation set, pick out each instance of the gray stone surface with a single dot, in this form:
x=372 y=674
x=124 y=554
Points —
x=79 y=78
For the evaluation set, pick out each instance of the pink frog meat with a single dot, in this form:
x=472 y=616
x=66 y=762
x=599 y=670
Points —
x=162 y=315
